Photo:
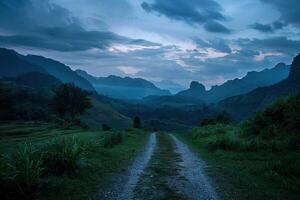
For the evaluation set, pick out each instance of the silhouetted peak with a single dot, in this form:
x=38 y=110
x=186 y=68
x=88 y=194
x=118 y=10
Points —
x=280 y=65
x=295 y=69
x=195 y=85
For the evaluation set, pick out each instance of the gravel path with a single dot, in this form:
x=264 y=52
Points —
x=124 y=183
x=197 y=184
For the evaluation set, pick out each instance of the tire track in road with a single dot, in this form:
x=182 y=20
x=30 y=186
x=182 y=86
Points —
x=197 y=184
x=123 y=184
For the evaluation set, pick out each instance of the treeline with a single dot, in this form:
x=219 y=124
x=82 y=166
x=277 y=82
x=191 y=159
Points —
x=20 y=102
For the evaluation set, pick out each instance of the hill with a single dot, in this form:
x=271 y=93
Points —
x=123 y=88
x=28 y=97
x=60 y=71
x=242 y=106
x=13 y=64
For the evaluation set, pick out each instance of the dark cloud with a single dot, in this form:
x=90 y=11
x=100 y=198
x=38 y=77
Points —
x=289 y=10
x=216 y=27
x=45 y=25
x=273 y=44
x=268 y=28
x=217 y=44
x=192 y=12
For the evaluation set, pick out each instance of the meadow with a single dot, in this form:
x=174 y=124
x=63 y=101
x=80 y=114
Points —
x=45 y=161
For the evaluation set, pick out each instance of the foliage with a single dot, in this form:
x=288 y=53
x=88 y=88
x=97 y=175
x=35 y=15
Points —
x=222 y=118
x=112 y=139
x=21 y=173
x=62 y=156
x=106 y=127
x=281 y=116
x=70 y=99
x=137 y=122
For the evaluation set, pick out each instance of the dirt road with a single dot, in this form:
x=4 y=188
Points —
x=123 y=184
x=165 y=169
x=197 y=184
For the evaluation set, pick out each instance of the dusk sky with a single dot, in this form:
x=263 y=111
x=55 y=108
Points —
x=210 y=41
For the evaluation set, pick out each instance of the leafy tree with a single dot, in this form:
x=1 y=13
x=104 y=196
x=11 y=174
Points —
x=70 y=99
x=106 y=127
x=6 y=105
x=136 y=122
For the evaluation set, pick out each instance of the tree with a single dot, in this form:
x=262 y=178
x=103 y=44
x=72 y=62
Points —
x=106 y=127
x=70 y=99
x=7 y=103
x=136 y=122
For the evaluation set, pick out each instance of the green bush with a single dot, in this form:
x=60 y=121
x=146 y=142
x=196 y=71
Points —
x=224 y=142
x=112 y=139
x=281 y=117
x=21 y=172
x=62 y=156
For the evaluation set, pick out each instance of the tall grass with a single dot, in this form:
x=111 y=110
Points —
x=112 y=139
x=62 y=155
x=21 y=172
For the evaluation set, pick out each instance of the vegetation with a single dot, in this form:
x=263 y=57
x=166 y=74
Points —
x=50 y=162
x=137 y=122
x=258 y=159
x=222 y=118
x=70 y=99
x=105 y=127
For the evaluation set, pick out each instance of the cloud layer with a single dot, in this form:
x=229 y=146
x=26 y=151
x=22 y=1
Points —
x=180 y=40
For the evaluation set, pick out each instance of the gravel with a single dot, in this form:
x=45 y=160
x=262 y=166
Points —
x=123 y=183
x=197 y=184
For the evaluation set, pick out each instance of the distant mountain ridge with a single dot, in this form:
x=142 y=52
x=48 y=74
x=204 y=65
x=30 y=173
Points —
x=123 y=88
x=242 y=106
x=13 y=64
x=197 y=94
x=238 y=86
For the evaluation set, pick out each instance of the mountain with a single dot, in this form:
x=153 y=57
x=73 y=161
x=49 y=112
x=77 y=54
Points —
x=249 y=82
x=123 y=88
x=242 y=106
x=196 y=91
x=60 y=71
x=237 y=86
x=13 y=64
x=169 y=85
x=34 y=80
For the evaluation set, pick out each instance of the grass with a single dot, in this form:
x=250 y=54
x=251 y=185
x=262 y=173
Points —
x=42 y=161
x=248 y=166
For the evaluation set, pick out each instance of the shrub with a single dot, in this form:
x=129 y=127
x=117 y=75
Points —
x=20 y=173
x=63 y=155
x=137 y=122
x=105 y=127
x=222 y=118
x=224 y=142
x=112 y=139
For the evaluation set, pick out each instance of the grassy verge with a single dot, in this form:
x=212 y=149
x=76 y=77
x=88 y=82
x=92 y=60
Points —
x=247 y=167
x=161 y=178
x=41 y=161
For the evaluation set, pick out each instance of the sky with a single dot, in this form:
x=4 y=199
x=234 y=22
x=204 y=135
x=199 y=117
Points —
x=209 y=41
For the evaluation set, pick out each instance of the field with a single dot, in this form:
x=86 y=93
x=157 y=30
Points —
x=248 y=167
x=61 y=163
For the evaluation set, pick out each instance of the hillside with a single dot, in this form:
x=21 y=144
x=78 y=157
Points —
x=123 y=88
x=13 y=64
x=60 y=71
x=29 y=96
x=242 y=106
